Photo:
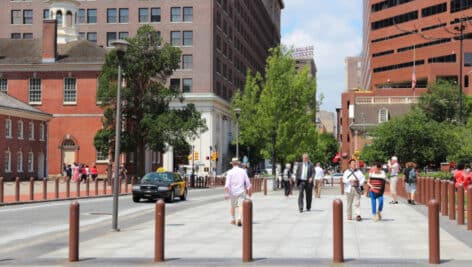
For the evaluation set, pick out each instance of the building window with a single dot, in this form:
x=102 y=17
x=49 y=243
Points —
x=27 y=16
x=16 y=17
x=124 y=15
x=27 y=35
x=15 y=35
x=383 y=115
x=188 y=38
x=30 y=162
x=7 y=161
x=45 y=13
x=175 y=38
x=187 y=62
x=187 y=85
x=175 y=14
x=4 y=85
x=70 y=91
x=111 y=36
x=123 y=35
x=433 y=10
x=20 y=130
x=31 y=130
x=143 y=15
x=82 y=36
x=59 y=17
x=34 y=91
x=92 y=37
x=111 y=15
x=19 y=161
x=42 y=132
x=175 y=84
x=459 y=5
x=91 y=16
x=155 y=14
x=188 y=14
x=8 y=128
x=101 y=156
x=81 y=16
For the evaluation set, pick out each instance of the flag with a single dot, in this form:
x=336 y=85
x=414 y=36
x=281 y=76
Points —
x=413 y=80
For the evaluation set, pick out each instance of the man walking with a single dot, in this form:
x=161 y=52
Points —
x=304 y=178
x=237 y=182
x=394 y=169
x=353 y=180
x=319 y=174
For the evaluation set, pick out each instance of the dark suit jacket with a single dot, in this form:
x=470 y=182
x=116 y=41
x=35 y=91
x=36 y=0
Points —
x=309 y=174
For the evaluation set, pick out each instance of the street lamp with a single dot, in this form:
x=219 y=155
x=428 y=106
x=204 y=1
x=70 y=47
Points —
x=460 y=29
x=120 y=47
x=237 y=111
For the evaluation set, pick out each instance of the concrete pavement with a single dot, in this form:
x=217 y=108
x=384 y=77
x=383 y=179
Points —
x=202 y=236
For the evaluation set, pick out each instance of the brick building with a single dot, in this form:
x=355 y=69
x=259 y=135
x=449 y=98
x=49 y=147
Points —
x=219 y=39
x=23 y=139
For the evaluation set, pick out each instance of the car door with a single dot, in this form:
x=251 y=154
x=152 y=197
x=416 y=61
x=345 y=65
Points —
x=180 y=185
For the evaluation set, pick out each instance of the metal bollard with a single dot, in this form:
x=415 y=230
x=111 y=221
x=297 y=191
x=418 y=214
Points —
x=452 y=201
x=17 y=189
x=126 y=185
x=460 y=205
x=31 y=189
x=338 y=235
x=74 y=213
x=2 y=190
x=159 y=232
x=265 y=186
x=45 y=188
x=77 y=188
x=431 y=189
x=87 y=187
x=104 y=186
x=96 y=186
x=469 y=207
x=418 y=189
x=444 y=207
x=247 y=230
x=67 y=187
x=437 y=190
x=56 y=188
x=433 y=219
x=341 y=187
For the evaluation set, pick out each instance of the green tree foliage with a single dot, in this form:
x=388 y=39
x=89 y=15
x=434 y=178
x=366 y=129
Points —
x=278 y=110
x=326 y=148
x=148 y=119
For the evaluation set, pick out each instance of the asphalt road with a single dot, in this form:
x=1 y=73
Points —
x=28 y=231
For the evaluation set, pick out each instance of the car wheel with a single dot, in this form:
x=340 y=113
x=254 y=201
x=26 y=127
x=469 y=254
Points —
x=171 y=197
x=136 y=199
x=184 y=196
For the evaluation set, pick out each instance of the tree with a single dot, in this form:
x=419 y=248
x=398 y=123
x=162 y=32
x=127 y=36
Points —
x=278 y=110
x=326 y=149
x=149 y=122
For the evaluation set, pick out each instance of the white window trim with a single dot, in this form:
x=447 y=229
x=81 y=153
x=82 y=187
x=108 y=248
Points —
x=42 y=132
x=7 y=167
x=40 y=90
x=31 y=161
x=21 y=130
x=31 y=131
x=380 y=115
x=64 y=102
x=19 y=161
x=9 y=132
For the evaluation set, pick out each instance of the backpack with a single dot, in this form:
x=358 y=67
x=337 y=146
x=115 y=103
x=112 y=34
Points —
x=412 y=176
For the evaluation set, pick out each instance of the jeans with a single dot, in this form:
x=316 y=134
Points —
x=373 y=201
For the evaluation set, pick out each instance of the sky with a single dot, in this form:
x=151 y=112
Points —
x=334 y=28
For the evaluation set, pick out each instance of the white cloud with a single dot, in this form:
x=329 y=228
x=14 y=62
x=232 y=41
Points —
x=334 y=29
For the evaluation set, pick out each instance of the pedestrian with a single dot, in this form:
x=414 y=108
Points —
x=319 y=175
x=410 y=181
x=236 y=184
x=394 y=170
x=304 y=181
x=83 y=173
x=94 y=172
x=353 y=179
x=123 y=173
x=64 y=169
x=286 y=177
x=69 y=172
x=76 y=172
x=376 y=183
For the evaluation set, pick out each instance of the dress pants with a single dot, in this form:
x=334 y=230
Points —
x=287 y=187
x=305 y=188
x=318 y=185
x=353 y=198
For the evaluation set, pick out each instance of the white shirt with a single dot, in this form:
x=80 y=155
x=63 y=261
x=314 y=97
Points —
x=395 y=169
x=348 y=176
x=319 y=173
x=237 y=181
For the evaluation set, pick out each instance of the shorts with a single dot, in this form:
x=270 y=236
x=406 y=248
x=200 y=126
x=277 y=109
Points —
x=237 y=201
x=410 y=188
x=393 y=184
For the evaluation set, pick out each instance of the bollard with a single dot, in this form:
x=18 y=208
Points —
x=96 y=186
x=418 y=189
x=104 y=186
x=45 y=188
x=159 y=232
x=338 y=247
x=444 y=198
x=341 y=183
x=17 y=189
x=431 y=188
x=77 y=188
x=247 y=230
x=1 y=190
x=67 y=187
x=132 y=181
x=433 y=219
x=265 y=186
x=437 y=190
x=452 y=201
x=469 y=207
x=87 y=187
x=56 y=188
x=126 y=185
x=460 y=205
x=424 y=192
x=74 y=213
x=31 y=189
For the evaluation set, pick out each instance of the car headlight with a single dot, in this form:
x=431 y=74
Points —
x=136 y=187
x=163 y=188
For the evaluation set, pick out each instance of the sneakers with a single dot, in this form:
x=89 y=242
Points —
x=380 y=215
x=409 y=201
x=358 y=218
x=413 y=202
x=233 y=222
x=376 y=218
x=393 y=202
x=349 y=218
x=239 y=223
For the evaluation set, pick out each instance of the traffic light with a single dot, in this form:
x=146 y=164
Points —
x=214 y=156
x=189 y=157
x=195 y=155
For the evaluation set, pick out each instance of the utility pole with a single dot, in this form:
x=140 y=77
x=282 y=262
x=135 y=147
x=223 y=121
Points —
x=460 y=29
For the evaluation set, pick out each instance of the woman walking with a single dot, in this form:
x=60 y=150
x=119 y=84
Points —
x=410 y=181
x=376 y=183
x=286 y=178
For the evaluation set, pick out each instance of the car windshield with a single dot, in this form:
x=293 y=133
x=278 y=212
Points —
x=155 y=177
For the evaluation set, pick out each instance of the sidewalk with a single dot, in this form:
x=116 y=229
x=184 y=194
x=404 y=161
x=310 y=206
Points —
x=282 y=236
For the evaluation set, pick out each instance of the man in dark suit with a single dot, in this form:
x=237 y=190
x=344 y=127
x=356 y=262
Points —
x=304 y=178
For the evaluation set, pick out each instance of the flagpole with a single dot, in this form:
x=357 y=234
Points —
x=413 y=81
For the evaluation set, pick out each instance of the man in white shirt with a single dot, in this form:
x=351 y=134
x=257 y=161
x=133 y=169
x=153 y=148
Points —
x=353 y=179
x=319 y=174
x=237 y=182
x=394 y=170
x=304 y=180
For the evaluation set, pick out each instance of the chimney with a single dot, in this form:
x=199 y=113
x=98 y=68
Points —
x=49 y=41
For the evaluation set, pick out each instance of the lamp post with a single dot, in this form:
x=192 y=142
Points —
x=237 y=111
x=120 y=46
x=460 y=29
